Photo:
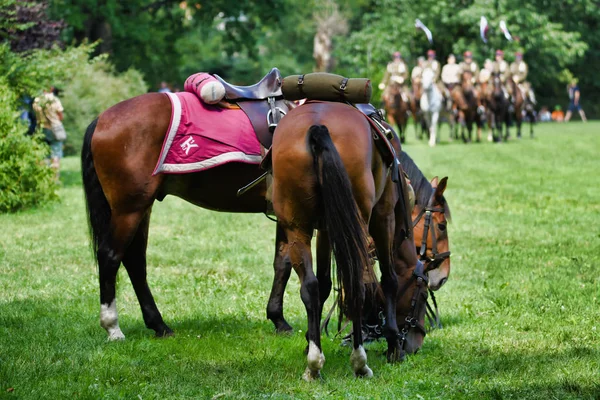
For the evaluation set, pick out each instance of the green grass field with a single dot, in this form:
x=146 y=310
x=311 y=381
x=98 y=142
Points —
x=521 y=310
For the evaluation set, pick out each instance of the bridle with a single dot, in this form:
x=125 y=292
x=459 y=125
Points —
x=424 y=265
x=437 y=258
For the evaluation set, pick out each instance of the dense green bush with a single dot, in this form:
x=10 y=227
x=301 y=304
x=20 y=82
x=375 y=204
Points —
x=25 y=178
x=91 y=89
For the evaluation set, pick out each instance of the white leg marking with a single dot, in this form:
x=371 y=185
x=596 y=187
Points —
x=109 y=320
x=358 y=359
x=315 y=360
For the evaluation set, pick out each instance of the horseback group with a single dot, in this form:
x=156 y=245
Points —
x=460 y=93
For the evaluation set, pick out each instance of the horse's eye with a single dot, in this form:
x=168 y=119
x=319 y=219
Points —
x=442 y=227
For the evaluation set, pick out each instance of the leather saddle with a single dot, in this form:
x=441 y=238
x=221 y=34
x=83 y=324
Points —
x=262 y=102
x=269 y=86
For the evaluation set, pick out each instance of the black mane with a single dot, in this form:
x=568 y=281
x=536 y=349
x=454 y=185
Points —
x=422 y=187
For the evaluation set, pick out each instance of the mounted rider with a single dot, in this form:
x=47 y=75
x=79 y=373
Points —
x=486 y=73
x=396 y=75
x=415 y=77
x=451 y=79
x=434 y=65
x=519 y=70
x=469 y=65
x=501 y=69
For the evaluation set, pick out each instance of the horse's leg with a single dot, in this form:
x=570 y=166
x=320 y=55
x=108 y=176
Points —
x=519 y=120
x=282 y=275
x=300 y=258
x=134 y=261
x=382 y=228
x=109 y=257
x=461 y=121
x=433 y=128
x=323 y=268
x=531 y=123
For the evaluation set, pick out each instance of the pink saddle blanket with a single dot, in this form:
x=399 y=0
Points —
x=201 y=136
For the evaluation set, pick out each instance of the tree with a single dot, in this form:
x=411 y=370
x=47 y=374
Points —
x=549 y=47
x=330 y=22
x=26 y=25
x=144 y=34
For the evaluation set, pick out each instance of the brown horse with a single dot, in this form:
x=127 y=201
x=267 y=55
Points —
x=119 y=154
x=428 y=197
x=328 y=174
x=396 y=109
x=415 y=109
x=465 y=99
x=521 y=103
x=499 y=110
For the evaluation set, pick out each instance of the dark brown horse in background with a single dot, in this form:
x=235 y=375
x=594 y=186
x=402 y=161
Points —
x=396 y=109
x=465 y=99
x=415 y=109
x=499 y=110
x=120 y=151
x=521 y=105
x=328 y=175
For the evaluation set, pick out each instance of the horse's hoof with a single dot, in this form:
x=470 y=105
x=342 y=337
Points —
x=283 y=328
x=284 y=332
x=163 y=333
x=310 y=376
x=395 y=356
x=364 y=372
x=116 y=335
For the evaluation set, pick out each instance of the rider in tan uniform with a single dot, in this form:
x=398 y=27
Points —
x=519 y=70
x=469 y=65
x=396 y=73
x=415 y=76
x=434 y=65
x=502 y=69
x=450 y=78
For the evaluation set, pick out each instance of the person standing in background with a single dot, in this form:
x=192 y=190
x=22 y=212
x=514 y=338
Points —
x=49 y=112
x=164 y=88
x=574 y=101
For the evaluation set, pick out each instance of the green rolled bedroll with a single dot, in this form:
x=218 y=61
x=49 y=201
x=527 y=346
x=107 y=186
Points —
x=326 y=87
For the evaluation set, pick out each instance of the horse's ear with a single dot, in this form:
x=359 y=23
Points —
x=434 y=182
x=439 y=190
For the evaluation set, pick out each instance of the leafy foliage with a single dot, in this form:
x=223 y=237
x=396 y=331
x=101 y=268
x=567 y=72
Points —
x=93 y=88
x=26 y=25
x=25 y=180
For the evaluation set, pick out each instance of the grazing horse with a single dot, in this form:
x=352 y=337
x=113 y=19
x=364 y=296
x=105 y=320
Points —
x=328 y=175
x=119 y=154
x=396 y=109
x=499 y=110
x=522 y=104
x=428 y=197
x=431 y=104
x=430 y=203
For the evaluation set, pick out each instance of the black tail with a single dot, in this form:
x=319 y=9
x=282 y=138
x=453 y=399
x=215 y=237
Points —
x=341 y=217
x=98 y=209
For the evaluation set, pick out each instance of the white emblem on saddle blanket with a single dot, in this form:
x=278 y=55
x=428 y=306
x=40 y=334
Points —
x=188 y=144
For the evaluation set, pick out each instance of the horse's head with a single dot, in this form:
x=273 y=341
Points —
x=431 y=235
x=427 y=78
